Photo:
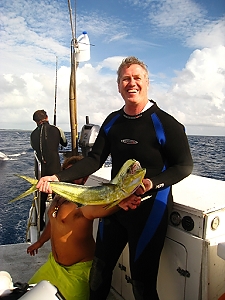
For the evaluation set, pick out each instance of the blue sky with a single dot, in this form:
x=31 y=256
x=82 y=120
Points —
x=181 y=41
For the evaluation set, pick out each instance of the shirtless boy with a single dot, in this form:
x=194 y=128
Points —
x=71 y=232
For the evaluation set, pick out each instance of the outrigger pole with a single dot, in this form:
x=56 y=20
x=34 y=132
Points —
x=56 y=67
x=72 y=89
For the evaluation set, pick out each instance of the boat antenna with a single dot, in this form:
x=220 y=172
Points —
x=72 y=90
x=56 y=67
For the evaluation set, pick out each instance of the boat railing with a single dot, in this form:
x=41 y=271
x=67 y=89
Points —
x=33 y=224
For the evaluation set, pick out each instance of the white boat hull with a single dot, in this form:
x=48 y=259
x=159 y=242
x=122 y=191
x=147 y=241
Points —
x=190 y=268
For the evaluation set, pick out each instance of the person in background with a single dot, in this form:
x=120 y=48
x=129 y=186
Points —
x=139 y=130
x=70 y=229
x=45 y=140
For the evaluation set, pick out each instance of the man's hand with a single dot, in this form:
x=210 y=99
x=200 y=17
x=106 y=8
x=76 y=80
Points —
x=43 y=184
x=131 y=202
x=148 y=186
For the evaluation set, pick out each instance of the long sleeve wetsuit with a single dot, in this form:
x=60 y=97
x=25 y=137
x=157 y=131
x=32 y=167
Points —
x=160 y=144
x=45 y=140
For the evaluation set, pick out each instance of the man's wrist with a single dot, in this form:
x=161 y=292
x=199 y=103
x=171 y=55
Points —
x=150 y=183
x=56 y=177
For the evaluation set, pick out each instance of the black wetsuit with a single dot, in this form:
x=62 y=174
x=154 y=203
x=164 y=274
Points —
x=45 y=140
x=160 y=144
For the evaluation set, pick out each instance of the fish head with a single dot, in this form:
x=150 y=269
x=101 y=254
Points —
x=126 y=168
x=132 y=177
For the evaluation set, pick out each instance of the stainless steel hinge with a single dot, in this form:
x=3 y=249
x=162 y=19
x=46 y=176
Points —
x=128 y=279
x=122 y=267
x=183 y=272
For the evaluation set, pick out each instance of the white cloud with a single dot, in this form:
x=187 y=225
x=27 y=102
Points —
x=210 y=35
x=177 y=14
x=185 y=20
x=197 y=94
x=34 y=32
x=196 y=97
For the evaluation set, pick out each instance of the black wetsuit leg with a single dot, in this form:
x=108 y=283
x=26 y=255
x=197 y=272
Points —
x=113 y=234
x=144 y=269
x=109 y=248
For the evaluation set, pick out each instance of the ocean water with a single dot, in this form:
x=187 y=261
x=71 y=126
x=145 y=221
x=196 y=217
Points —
x=207 y=152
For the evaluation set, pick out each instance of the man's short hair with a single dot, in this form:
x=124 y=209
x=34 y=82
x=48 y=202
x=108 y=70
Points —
x=39 y=115
x=127 y=62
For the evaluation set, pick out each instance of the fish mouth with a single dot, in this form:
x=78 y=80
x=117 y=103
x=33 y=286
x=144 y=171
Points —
x=135 y=167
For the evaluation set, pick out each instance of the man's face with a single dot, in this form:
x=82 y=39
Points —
x=133 y=84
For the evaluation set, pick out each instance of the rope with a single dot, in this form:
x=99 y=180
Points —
x=43 y=128
x=56 y=69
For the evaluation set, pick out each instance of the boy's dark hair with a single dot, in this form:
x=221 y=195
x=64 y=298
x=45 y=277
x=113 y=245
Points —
x=71 y=161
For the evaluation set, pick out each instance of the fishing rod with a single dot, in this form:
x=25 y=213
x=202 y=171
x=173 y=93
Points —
x=73 y=27
x=72 y=90
x=80 y=52
x=56 y=67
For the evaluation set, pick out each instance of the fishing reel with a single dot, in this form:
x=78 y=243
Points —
x=87 y=137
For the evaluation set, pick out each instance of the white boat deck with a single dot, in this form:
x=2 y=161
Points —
x=21 y=266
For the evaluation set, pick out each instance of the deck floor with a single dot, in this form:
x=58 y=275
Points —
x=21 y=266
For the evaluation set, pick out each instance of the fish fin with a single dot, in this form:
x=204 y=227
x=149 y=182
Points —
x=143 y=186
x=63 y=189
x=109 y=184
x=29 y=179
x=110 y=205
x=29 y=191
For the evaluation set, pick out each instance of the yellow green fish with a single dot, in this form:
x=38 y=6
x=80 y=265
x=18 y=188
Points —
x=125 y=183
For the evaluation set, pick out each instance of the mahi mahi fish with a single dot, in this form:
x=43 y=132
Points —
x=125 y=183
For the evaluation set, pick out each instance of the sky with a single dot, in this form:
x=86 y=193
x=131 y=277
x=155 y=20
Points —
x=181 y=41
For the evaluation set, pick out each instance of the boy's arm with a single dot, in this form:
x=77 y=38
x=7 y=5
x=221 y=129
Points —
x=99 y=211
x=45 y=236
x=132 y=202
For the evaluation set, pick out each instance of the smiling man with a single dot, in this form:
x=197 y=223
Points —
x=139 y=130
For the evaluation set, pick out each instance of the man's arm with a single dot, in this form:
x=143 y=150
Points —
x=45 y=236
x=63 y=140
x=176 y=154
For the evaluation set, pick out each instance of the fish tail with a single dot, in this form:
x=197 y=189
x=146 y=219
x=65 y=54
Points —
x=29 y=179
x=29 y=191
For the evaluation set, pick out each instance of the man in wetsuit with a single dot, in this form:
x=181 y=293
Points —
x=45 y=140
x=70 y=229
x=142 y=131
